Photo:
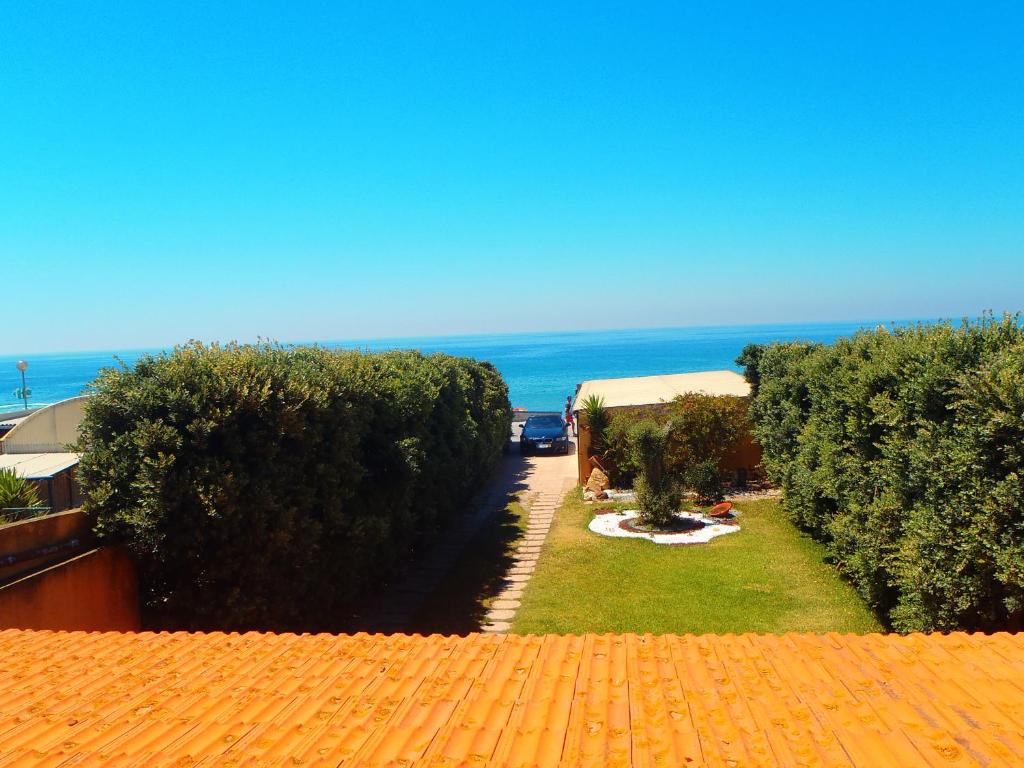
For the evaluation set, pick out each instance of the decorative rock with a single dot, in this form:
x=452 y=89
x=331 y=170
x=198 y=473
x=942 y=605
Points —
x=598 y=482
x=497 y=626
x=501 y=615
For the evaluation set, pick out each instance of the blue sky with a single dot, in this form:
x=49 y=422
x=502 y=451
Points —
x=374 y=169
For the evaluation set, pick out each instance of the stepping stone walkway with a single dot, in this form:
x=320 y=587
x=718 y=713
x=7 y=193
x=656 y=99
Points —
x=539 y=480
x=549 y=478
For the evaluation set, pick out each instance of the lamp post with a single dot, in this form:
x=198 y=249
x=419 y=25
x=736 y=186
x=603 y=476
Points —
x=24 y=392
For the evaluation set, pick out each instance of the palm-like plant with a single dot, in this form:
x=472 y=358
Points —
x=16 y=491
x=597 y=420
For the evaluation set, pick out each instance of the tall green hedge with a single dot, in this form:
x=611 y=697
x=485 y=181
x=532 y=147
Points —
x=903 y=449
x=269 y=487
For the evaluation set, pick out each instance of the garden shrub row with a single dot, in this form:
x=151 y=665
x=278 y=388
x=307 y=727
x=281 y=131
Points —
x=268 y=487
x=701 y=431
x=903 y=449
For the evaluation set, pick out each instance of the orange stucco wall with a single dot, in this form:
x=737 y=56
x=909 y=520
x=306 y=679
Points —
x=71 y=527
x=95 y=591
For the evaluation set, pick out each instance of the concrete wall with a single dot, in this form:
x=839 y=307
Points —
x=95 y=591
x=48 y=430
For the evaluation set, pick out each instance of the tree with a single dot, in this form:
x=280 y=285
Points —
x=656 y=493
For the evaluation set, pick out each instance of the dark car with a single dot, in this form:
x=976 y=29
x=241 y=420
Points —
x=544 y=433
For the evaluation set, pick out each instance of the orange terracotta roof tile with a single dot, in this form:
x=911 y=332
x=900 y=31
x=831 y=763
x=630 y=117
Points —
x=121 y=699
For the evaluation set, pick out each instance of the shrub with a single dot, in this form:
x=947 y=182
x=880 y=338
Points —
x=703 y=478
x=618 y=448
x=656 y=494
x=264 y=487
x=16 y=491
x=902 y=450
x=706 y=428
x=701 y=429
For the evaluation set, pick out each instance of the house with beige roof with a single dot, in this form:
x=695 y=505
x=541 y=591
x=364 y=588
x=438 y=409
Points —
x=649 y=392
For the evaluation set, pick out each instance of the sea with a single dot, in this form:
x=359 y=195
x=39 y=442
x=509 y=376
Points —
x=541 y=369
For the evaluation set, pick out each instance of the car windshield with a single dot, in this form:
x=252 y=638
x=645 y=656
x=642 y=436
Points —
x=544 y=421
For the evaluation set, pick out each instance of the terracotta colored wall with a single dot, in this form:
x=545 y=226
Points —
x=66 y=533
x=746 y=456
x=583 y=447
x=95 y=591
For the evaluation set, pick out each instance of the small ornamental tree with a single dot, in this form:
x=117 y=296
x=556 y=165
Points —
x=656 y=493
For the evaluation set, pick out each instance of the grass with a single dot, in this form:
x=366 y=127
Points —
x=769 y=577
x=461 y=601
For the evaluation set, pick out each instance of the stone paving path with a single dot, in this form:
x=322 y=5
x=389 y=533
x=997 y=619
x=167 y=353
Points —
x=540 y=483
x=548 y=479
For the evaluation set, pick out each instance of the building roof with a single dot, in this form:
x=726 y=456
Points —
x=72 y=698
x=38 y=466
x=47 y=430
x=649 y=390
x=11 y=419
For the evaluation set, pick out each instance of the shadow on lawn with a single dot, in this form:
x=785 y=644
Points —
x=472 y=574
x=457 y=606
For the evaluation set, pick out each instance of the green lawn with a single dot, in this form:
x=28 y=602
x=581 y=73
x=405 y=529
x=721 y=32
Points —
x=769 y=577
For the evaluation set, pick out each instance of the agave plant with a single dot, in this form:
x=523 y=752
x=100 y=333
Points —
x=16 y=491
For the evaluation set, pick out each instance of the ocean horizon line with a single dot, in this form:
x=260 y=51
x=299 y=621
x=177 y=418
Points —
x=351 y=342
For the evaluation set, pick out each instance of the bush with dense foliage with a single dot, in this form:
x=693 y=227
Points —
x=702 y=431
x=903 y=450
x=703 y=478
x=269 y=487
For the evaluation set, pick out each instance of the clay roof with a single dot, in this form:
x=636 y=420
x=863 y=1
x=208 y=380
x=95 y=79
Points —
x=71 y=698
x=649 y=390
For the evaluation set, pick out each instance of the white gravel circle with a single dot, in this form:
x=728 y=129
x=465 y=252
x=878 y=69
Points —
x=608 y=524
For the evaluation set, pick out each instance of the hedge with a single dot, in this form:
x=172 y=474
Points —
x=273 y=488
x=903 y=449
